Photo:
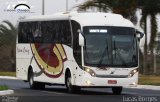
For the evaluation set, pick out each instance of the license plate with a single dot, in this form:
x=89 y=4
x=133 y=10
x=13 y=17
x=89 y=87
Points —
x=112 y=81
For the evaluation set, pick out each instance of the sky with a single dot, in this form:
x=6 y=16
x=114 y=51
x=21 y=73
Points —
x=51 y=6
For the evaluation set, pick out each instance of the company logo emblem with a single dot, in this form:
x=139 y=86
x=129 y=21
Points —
x=19 y=8
x=50 y=58
x=22 y=8
x=112 y=72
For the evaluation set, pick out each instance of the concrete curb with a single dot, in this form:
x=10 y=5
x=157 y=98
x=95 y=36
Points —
x=6 y=92
x=8 y=77
x=149 y=87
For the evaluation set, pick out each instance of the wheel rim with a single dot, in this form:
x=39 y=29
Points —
x=69 y=83
x=31 y=80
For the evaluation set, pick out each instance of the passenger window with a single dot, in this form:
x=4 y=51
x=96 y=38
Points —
x=45 y=32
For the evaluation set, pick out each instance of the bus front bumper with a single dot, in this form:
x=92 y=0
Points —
x=89 y=81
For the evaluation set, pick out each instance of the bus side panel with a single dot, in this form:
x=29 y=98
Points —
x=44 y=72
x=23 y=58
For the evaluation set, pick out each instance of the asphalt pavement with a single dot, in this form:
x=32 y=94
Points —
x=22 y=93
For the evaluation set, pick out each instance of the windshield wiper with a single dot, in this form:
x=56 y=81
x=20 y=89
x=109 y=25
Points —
x=105 y=50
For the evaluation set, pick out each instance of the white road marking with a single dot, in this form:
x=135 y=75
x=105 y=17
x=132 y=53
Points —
x=53 y=92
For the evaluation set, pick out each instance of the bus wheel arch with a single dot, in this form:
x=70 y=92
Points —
x=68 y=82
x=68 y=77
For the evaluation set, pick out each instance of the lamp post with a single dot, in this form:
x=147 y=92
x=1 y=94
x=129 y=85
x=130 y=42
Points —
x=66 y=5
x=43 y=6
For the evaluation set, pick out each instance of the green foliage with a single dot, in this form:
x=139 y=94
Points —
x=149 y=8
x=3 y=87
x=7 y=46
x=126 y=8
x=149 y=80
x=8 y=74
x=7 y=34
x=153 y=31
x=94 y=3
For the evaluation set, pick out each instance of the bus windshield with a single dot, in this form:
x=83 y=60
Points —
x=110 y=47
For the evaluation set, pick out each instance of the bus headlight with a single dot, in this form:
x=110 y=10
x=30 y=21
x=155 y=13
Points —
x=133 y=72
x=90 y=71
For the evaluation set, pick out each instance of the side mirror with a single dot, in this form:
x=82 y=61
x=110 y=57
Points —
x=139 y=34
x=141 y=38
x=81 y=40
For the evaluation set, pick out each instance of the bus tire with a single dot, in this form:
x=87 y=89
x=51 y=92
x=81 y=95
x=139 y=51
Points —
x=32 y=84
x=41 y=85
x=117 y=90
x=68 y=83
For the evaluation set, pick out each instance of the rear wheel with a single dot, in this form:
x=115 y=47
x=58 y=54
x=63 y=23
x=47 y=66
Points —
x=117 y=90
x=32 y=84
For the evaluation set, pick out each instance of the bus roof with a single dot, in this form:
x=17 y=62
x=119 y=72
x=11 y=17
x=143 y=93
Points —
x=86 y=18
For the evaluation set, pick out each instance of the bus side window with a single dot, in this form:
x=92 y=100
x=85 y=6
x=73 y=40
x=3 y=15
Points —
x=20 y=33
x=68 y=34
x=29 y=29
x=76 y=47
x=65 y=33
x=57 y=32
x=44 y=31
x=36 y=32
x=23 y=33
x=52 y=31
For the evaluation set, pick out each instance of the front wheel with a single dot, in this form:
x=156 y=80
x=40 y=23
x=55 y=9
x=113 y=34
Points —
x=117 y=90
x=70 y=87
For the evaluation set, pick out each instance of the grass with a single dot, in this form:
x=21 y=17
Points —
x=149 y=80
x=8 y=74
x=3 y=87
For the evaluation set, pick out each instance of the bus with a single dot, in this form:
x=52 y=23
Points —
x=78 y=50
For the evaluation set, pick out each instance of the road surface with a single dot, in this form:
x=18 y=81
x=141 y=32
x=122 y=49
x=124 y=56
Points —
x=22 y=93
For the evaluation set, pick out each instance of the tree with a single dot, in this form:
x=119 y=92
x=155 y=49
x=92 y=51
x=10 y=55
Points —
x=94 y=3
x=126 y=8
x=8 y=39
x=149 y=8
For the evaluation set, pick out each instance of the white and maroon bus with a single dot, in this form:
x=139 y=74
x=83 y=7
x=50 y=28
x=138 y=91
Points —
x=78 y=50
